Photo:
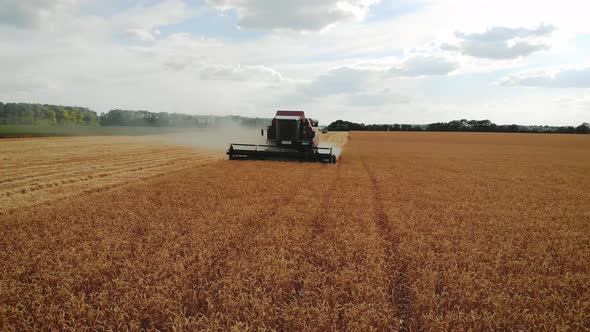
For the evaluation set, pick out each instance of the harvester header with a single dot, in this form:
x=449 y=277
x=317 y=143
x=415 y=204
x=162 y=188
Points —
x=290 y=136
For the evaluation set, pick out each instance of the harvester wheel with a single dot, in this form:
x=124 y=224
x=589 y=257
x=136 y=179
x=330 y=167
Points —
x=333 y=159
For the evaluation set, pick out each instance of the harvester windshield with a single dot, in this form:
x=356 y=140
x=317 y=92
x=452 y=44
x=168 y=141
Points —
x=287 y=130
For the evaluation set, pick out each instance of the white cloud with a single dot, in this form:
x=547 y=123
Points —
x=378 y=99
x=352 y=86
x=338 y=81
x=141 y=35
x=142 y=22
x=424 y=65
x=501 y=42
x=580 y=101
x=181 y=50
x=502 y=34
x=362 y=78
x=25 y=84
x=31 y=13
x=254 y=74
x=294 y=14
x=563 y=78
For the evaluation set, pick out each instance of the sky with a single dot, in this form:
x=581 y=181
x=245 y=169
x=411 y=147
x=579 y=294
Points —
x=367 y=61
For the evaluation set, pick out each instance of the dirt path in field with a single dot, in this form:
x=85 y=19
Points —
x=40 y=170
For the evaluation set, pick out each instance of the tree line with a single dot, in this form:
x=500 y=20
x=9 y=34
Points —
x=46 y=115
x=341 y=125
x=460 y=125
x=128 y=118
x=56 y=115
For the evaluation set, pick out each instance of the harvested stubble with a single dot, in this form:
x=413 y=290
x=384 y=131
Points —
x=40 y=170
x=410 y=231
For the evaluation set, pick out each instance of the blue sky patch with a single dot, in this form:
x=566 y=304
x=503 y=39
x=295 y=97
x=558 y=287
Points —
x=214 y=24
x=388 y=9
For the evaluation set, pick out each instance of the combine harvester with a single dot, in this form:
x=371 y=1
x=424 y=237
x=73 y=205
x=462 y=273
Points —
x=291 y=136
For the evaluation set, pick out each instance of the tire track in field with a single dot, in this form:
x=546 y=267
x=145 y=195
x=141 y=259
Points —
x=320 y=229
x=398 y=288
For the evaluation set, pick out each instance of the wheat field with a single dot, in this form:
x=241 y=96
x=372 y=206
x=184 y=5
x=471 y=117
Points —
x=409 y=232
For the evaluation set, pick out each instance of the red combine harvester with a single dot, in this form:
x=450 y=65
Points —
x=291 y=136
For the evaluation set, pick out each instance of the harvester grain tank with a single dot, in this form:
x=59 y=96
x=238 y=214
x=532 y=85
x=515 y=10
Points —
x=290 y=136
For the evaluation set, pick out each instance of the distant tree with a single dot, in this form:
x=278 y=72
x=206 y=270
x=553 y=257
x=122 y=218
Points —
x=481 y=125
x=61 y=114
x=437 y=126
x=89 y=118
x=44 y=116
x=50 y=117
x=162 y=119
x=341 y=125
x=583 y=128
